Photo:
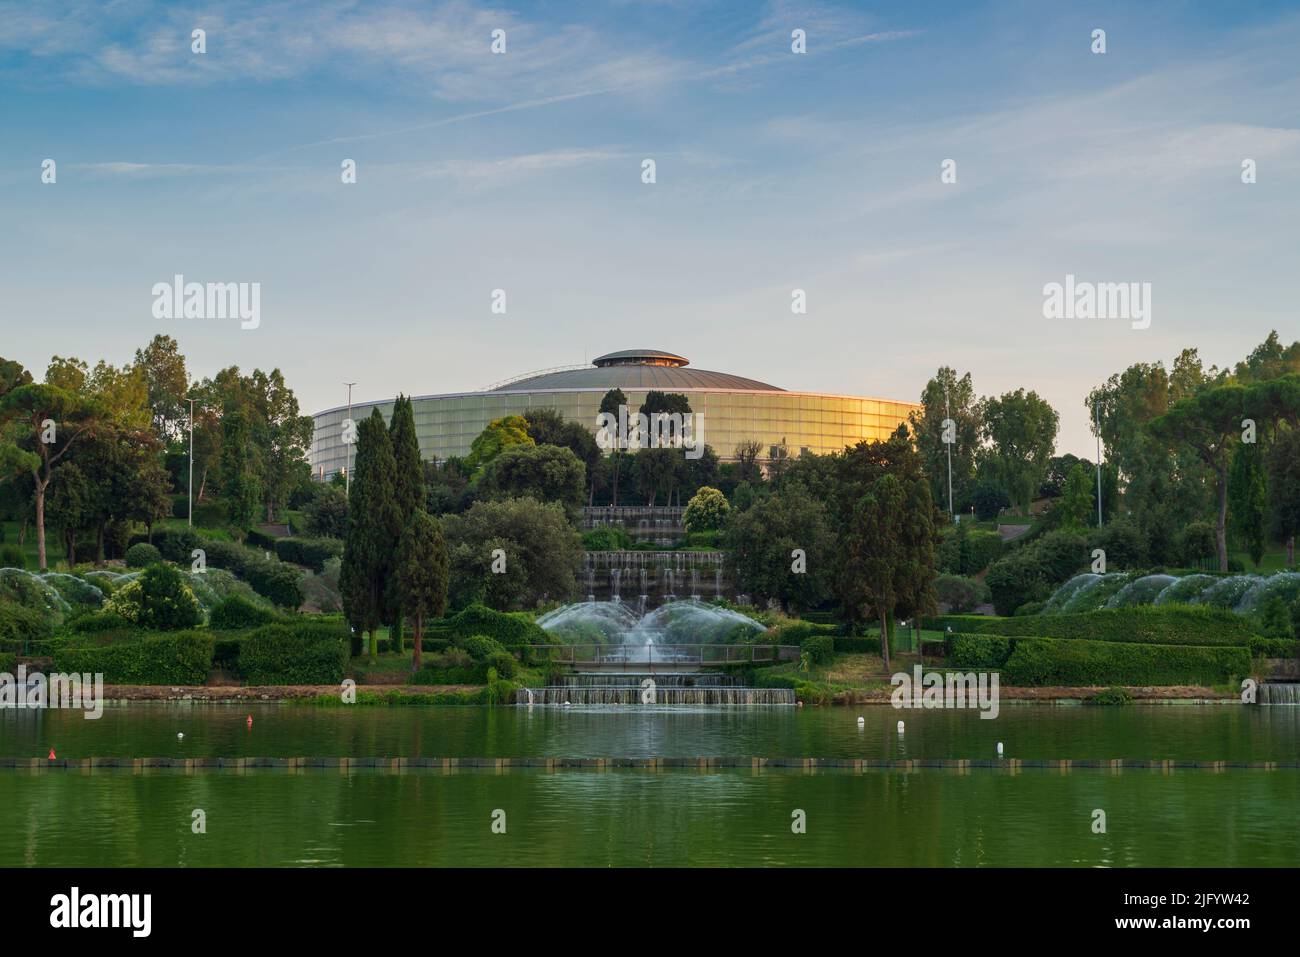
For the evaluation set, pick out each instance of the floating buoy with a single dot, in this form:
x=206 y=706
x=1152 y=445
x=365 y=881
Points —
x=180 y=735
x=566 y=704
x=800 y=703
x=51 y=754
x=999 y=747
x=250 y=721
x=900 y=727
x=861 y=721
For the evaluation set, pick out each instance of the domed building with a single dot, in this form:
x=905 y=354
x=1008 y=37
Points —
x=734 y=409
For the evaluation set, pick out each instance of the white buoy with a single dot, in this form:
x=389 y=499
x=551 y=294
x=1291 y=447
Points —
x=900 y=727
x=566 y=704
x=861 y=721
x=179 y=735
x=999 y=747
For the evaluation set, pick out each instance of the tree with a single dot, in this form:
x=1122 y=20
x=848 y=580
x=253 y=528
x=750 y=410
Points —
x=499 y=434
x=610 y=403
x=547 y=473
x=548 y=427
x=1021 y=429
x=421 y=574
x=327 y=514
x=374 y=528
x=762 y=543
x=665 y=402
x=1248 y=500
x=408 y=478
x=167 y=382
x=538 y=554
x=239 y=468
x=1208 y=422
x=747 y=467
x=48 y=420
x=947 y=397
x=1077 y=500
x=1283 y=465
x=281 y=435
x=707 y=511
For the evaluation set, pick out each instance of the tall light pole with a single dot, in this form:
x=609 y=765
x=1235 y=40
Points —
x=189 y=519
x=947 y=421
x=1096 y=427
x=347 y=475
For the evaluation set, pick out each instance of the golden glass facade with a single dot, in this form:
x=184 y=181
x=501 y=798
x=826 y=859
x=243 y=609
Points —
x=819 y=423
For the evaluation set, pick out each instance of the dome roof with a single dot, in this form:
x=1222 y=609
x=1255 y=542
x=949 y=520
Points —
x=636 y=369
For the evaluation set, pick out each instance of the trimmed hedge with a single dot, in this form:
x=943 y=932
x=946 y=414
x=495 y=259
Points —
x=235 y=611
x=270 y=578
x=20 y=626
x=1274 y=648
x=1046 y=661
x=979 y=651
x=8 y=662
x=142 y=555
x=510 y=629
x=167 y=658
x=312 y=552
x=1140 y=624
x=301 y=654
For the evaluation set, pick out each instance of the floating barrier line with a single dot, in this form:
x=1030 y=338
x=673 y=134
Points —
x=401 y=764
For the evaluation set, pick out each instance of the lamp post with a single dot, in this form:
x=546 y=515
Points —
x=347 y=474
x=1096 y=422
x=189 y=519
x=947 y=421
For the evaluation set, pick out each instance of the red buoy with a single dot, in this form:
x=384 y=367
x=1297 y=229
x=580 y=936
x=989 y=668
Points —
x=52 y=754
x=250 y=720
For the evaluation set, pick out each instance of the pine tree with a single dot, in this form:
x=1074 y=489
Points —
x=374 y=527
x=421 y=575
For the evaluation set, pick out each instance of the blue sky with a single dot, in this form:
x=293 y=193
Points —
x=775 y=171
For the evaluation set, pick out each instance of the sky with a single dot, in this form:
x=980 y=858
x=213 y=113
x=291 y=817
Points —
x=774 y=171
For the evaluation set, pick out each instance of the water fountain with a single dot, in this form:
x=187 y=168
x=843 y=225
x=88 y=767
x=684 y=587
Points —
x=650 y=651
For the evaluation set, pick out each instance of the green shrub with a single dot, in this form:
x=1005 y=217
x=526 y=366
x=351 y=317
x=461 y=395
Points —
x=159 y=600
x=104 y=620
x=1274 y=647
x=299 y=654
x=1016 y=579
x=503 y=662
x=960 y=593
x=1046 y=661
x=175 y=658
x=226 y=646
x=11 y=556
x=236 y=611
x=607 y=538
x=311 y=552
x=1030 y=608
x=797 y=632
x=978 y=651
x=820 y=649
x=20 y=627
x=1112 y=696
x=8 y=662
x=142 y=555
x=1141 y=624
x=511 y=629
x=175 y=545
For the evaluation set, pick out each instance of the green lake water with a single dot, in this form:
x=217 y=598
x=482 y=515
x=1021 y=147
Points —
x=983 y=817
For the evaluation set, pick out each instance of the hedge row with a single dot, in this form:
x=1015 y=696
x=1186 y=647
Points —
x=312 y=552
x=1080 y=661
x=21 y=626
x=270 y=578
x=167 y=658
x=300 y=654
x=1045 y=661
x=511 y=630
x=1140 y=624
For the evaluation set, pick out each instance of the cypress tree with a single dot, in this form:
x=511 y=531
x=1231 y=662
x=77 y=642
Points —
x=374 y=527
x=408 y=494
x=421 y=575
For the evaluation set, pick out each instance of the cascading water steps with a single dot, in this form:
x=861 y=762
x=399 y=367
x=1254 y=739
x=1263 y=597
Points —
x=684 y=689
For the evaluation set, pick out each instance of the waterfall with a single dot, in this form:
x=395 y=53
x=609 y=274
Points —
x=1279 y=693
x=698 y=690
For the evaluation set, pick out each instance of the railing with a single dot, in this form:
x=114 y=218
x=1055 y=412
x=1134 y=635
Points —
x=642 y=656
x=528 y=375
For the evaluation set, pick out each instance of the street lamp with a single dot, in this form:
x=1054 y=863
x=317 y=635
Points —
x=347 y=474
x=189 y=519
